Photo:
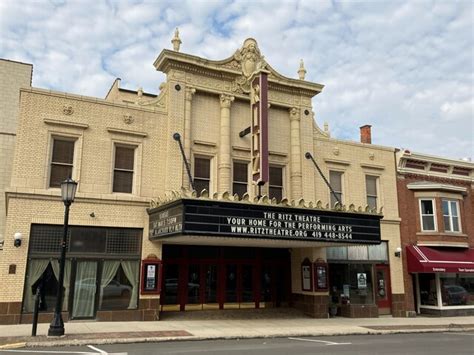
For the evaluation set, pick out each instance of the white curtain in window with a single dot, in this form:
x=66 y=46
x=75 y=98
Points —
x=85 y=289
x=131 y=269
x=67 y=279
x=36 y=268
x=109 y=271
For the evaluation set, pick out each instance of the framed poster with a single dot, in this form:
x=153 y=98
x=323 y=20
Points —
x=151 y=276
x=321 y=277
x=306 y=275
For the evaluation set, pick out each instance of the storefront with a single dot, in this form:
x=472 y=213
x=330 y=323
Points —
x=101 y=272
x=359 y=279
x=234 y=254
x=444 y=280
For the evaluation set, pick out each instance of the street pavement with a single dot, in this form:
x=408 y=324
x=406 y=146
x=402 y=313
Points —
x=245 y=326
x=392 y=344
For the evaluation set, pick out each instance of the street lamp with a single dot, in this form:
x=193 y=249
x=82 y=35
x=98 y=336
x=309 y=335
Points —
x=68 y=192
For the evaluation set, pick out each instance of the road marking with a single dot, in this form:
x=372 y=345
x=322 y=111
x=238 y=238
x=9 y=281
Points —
x=320 y=341
x=97 y=349
x=46 y=352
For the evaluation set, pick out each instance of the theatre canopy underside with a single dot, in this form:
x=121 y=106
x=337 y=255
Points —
x=217 y=222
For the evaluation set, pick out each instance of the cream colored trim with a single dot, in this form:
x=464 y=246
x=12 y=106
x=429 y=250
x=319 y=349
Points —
x=442 y=187
x=243 y=149
x=66 y=123
x=443 y=244
x=372 y=166
x=447 y=234
x=337 y=161
x=278 y=154
x=433 y=194
x=209 y=144
x=126 y=132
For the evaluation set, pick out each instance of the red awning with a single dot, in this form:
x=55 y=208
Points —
x=425 y=259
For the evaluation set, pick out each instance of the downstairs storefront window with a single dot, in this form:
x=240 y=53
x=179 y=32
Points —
x=352 y=283
x=457 y=289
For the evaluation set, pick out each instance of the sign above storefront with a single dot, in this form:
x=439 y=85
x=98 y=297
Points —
x=246 y=220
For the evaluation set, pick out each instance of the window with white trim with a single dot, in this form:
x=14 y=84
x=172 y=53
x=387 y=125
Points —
x=428 y=215
x=451 y=216
x=275 y=183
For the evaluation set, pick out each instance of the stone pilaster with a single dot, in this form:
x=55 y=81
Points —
x=187 y=142
x=224 y=167
x=296 y=180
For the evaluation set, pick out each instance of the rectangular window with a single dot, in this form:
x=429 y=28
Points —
x=335 y=179
x=61 y=161
x=451 y=216
x=276 y=183
x=123 y=169
x=202 y=174
x=371 y=188
x=427 y=213
x=240 y=174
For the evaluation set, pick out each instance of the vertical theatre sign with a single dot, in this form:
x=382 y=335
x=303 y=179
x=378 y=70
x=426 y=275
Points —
x=259 y=127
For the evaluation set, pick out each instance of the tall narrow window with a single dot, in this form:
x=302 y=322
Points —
x=202 y=174
x=240 y=175
x=335 y=179
x=61 y=161
x=276 y=183
x=371 y=188
x=451 y=216
x=123 y=169
x=428 y=221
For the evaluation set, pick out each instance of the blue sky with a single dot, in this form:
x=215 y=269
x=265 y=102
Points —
x=405 y=67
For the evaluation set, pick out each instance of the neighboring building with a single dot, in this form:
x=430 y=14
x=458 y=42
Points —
x=435 y=197
x=13 y=76
x=216 y=251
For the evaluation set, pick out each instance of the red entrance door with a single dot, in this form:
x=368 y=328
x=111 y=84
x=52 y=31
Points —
x=383 y=292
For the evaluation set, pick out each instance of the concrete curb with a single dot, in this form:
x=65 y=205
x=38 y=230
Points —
x=79 y=342
x=13 y=346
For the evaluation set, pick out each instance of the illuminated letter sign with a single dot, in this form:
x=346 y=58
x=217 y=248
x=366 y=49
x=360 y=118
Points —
x=259 y=128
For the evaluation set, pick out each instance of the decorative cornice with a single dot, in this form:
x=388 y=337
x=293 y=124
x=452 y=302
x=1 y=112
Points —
x=65 y=123
x=264 y=200
x=238 y=68
x=208 y=144
x=439 y=187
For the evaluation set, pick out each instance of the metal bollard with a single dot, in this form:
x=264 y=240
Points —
x=35 y=312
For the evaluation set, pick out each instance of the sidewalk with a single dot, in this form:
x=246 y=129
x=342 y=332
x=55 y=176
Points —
x=95 y=333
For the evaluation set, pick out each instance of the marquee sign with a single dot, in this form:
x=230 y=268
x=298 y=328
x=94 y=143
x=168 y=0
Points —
x=259 y=128
x=244 y=220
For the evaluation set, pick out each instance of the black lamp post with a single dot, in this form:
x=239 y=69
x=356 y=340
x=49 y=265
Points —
x=68 y=192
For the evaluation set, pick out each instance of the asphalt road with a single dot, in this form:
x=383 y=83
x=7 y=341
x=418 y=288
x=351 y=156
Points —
x=428 y=343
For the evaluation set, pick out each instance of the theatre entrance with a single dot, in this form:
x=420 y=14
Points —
x=209 y=277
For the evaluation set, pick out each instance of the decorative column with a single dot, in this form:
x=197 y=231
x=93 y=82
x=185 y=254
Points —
x=190 y=91
x=296 y=176
x=224 y=168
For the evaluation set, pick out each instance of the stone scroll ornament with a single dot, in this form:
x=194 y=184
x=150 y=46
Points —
x=251 y=61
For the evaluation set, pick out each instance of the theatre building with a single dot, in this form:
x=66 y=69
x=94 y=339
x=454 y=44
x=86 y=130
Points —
x=437 y=231
x=256 y=225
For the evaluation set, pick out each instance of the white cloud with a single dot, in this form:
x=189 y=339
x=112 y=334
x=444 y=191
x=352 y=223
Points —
x=404 y=67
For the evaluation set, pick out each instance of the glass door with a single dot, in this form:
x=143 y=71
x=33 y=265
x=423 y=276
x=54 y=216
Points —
x=231 y=291
x=85 y=290
x=248 y=287
x=211 y=300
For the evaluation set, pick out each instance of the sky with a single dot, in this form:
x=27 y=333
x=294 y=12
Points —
x=404 y=67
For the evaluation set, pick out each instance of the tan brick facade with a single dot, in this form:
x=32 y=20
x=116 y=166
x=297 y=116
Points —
x=13 y=76
x=208 y=105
